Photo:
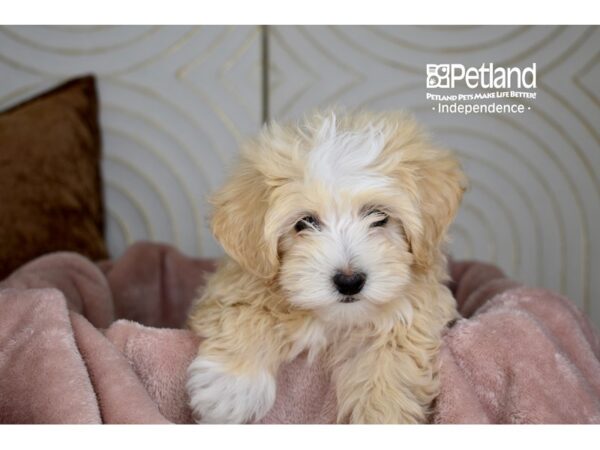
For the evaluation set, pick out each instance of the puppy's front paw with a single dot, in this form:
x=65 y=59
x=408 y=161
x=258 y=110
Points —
x=218 y=396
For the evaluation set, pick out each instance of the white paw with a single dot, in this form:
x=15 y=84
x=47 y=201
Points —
x=217 y=396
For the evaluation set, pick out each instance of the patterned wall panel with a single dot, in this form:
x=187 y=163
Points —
x=174 y=103
x=176 y=100
x=534 y=203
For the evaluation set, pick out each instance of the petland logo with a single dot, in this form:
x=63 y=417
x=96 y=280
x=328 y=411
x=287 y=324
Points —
x=487 y=76
x=484 y=89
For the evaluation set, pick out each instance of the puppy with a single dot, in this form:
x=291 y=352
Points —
x=333 y=230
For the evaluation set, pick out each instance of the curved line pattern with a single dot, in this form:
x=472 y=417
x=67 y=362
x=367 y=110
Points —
x=578 y=201
x=81 y=29
x=10 y=33
x=467 y=239
x=516 y=243
x=127 y=195
x=158 y=56
x=384 y=73
x=585 y=262
x=164 y=130
x=511 y=34
x=487 y=226
x=142 y=95
x=524 y=195
x=581 y=118
x=230 y=64
x=445 y=27
x=531 y=50
x=390 y=92
x=189 y=154
x=121 y=224
x=359 y=78
x=302 y=90
x=58 y=75
x=145 y=178
x=183 y=71
x=219 y=112
x=419 y=70
x=540 y=178
x=19 y=95
x=16 y=65
x=144 y=90
x=560 y=59
x=583 y=72
x=385 y=61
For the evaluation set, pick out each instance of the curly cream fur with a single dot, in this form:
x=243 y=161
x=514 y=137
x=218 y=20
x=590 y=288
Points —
x=262 y=308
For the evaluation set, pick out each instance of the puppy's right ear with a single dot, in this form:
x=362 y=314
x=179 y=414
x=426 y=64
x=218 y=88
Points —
x=238 y=221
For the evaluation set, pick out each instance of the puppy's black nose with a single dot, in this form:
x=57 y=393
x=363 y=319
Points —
x=349 y=284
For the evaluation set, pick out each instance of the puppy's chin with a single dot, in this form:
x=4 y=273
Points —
x=342 y=312
x=346 y=313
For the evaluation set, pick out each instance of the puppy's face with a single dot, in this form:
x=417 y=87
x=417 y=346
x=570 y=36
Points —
x=346 y=255
x=341 y=213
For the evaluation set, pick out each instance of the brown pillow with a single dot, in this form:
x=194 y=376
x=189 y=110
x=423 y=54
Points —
x=50 y=185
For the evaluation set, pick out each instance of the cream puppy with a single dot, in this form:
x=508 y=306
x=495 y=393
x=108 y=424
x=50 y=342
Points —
x=333 y=229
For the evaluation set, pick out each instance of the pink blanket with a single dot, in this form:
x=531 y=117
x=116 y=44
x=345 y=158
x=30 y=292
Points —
x=81 y=343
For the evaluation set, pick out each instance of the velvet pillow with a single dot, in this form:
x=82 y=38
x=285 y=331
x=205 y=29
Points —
x=50 y=184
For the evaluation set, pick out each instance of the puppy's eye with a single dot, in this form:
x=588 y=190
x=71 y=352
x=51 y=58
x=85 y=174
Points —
x=307 y=222
x=381 y=216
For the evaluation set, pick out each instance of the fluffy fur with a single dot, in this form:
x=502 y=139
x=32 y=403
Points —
x=380 y=197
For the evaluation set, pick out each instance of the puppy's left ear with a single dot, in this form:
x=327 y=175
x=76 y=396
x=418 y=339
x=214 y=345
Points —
x=238 y=221
x=440 y=185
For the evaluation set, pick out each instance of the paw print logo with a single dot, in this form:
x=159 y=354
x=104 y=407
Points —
x=438 y=75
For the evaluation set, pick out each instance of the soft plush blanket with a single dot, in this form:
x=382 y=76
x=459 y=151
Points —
x=81 y=343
